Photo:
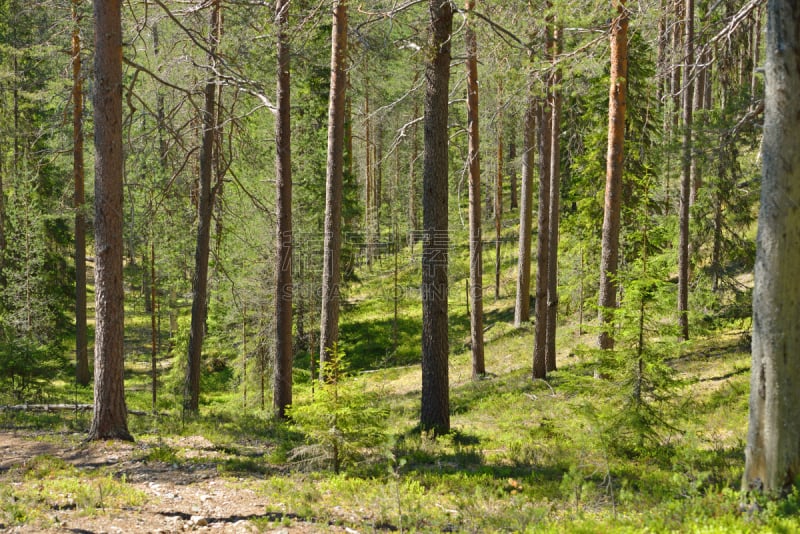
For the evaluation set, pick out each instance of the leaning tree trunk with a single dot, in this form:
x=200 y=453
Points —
x=110 y=419
x=81 y=328
x=435 y=409
x=686 y=176
x=282 y=393
x=613 y=195
x=475 y=244
x=331 y=273
x=191 y=399
x=773 y=439
x=523 y=301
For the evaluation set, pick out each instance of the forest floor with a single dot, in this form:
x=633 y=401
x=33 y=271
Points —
x=175 y=498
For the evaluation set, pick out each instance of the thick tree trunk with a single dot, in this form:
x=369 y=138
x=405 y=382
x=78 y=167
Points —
x=81 y=329
x=282 y=394
x=191 y=398
x=523 y=301
x=686 y=176
x=542 y=246
x=110 y=419
x=475 y=237
x=435 y=410
x=554 y=207
x=331 y=273
x=614 y=163
x=773 y=439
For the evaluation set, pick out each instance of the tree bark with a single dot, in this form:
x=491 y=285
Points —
x=773 y=440
x=435 y=409
x=205 y=206
x=282 y=394
x=523 y=300
x=512 y=171
x=614 y=163
x=498 y=193
x=110 y=418
x=554 y=206
x=686 y=175
x=542 y=244
x=475 y=237
x=331 y=272
x=81 y=328
x=412 y=174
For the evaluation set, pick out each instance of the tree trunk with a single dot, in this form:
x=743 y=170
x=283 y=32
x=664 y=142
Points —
x=554 y=207
x=542 y=244
x=686 y=176
x=412 y=173
x=512 y=170
x=205 y=206
x=613 y=194
x=523 y=301
x=282 y=394
x=475 y=237
x=435 y=410
x=773 y=439
x=81 y=329
x=153 y=329
x=331 y=274
x=110 y=418
x=695 y=168
x=498 y=194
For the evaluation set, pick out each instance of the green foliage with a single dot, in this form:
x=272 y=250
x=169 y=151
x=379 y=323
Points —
x=343 y=423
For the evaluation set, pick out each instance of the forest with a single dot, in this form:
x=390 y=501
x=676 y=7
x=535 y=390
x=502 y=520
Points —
x=399 y=265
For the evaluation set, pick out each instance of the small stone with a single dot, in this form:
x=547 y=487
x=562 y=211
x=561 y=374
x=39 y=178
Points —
x=199 y=521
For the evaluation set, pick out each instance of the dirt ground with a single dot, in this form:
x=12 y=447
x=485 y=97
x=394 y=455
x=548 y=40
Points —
x=189 y=497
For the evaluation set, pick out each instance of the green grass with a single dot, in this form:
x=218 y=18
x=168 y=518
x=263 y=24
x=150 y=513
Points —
x=558 y=456
x=44 y=483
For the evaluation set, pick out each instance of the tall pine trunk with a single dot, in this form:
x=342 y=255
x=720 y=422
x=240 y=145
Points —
x=523 y=299
x=110 y=418
x=205 y=205
x=617 y=96
x=686 y=176
x=331 y=272
x=435 y=409
x=542 y=245
x=81 y=328
x=475 y=237
x=498 y=193
x=282 y=393
x=554 y=207
x=773 y=439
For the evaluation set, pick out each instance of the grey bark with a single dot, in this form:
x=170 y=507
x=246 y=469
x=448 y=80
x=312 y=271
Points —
x=331 y=271
x=773 y=440
x=523 y=299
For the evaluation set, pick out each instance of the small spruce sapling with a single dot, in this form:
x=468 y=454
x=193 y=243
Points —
x=343 y=423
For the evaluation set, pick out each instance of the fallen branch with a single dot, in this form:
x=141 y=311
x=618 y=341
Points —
x=62 y=408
